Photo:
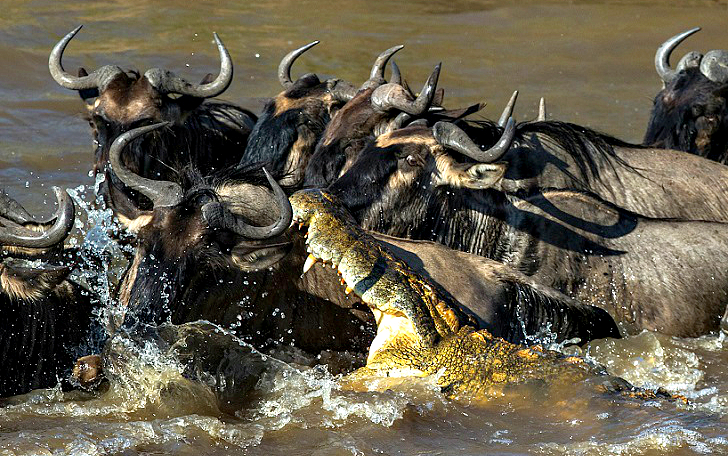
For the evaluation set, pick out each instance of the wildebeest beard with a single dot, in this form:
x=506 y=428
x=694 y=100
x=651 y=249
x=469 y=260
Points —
x=691 y=114
x=212 y=137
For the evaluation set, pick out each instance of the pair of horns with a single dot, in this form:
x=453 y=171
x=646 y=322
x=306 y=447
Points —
x=167 y=194
x=13 y=233
x=162 y=80
x=508 y=111
x=713 y=65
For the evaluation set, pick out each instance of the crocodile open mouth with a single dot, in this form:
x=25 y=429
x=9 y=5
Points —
x=332 y=241
x=391 y=324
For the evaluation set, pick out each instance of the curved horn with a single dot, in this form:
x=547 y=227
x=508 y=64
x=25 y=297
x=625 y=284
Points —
x=341 y=90
x=376 y=76
x=508 y=111
x=97 y=79
x=392 y=96
x=161 y=193
x=284 y=68
x=451 y=136
x=219 y=217
x=715 y=66
x=167 y=82
x=18 y=236
x=541 y=110
x=690 y=60
x=396 y=74
x=12 y=210
x=399 y=121
x=662 y=56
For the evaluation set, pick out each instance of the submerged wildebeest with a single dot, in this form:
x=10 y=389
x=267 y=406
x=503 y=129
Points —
x=690 y=113
x=45 y=315
x=433 y=183
x=208 y=134
x=201 y=254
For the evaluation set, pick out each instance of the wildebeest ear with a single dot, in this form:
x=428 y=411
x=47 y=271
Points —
x=30 y=284
x=484 y=175
x=87 y=95
x=208 y=78
x=476 y=176
x=139 y=220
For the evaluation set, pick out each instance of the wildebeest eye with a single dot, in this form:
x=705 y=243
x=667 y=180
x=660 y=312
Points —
x=413 y=160
x=203 y=198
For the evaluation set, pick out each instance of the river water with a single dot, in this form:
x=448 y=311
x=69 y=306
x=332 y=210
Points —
x=591 y=60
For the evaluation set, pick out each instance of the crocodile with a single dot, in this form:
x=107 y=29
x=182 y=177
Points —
x=421 y=329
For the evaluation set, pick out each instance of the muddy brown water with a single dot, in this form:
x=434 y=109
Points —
x=591 y=60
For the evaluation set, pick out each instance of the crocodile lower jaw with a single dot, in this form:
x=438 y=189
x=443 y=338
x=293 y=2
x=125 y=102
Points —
x=391 y=327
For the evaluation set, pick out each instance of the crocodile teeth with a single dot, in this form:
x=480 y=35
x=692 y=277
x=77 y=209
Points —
x=310 y=261
x=348 y=290
x=300 y=226
x=343 y=281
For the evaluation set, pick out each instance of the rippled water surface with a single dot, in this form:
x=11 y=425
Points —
x=591 y=60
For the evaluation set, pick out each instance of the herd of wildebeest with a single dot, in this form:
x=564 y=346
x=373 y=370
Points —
x=537 y=228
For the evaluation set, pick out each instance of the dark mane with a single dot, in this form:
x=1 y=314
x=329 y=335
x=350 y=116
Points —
x=273 y=136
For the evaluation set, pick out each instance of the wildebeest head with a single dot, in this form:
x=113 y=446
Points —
x=210 y=135
x=691 y=112
x=23 y=237
x=406 y=183
x=377 y=107
x=200 y=238
x=44 y=315
x=292 y=121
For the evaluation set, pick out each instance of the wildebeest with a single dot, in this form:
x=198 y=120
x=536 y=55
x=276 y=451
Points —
x=209 y=134
x=292 y=122
x=424 y=183
x=552 y=154
x=201 y=254
x=690 y=113
x=376 y=108
x=45 y=315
